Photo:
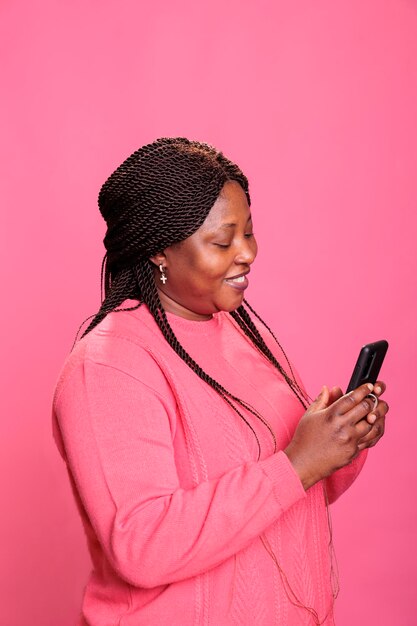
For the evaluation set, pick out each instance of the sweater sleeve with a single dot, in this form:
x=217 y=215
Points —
x=340 y=481
x=117 y=438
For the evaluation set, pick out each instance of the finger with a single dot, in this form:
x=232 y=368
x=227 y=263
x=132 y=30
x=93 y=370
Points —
x=379 y=387
x=363 y=430
x=351 y=400
x=374 y=435
x=335 y=394
x=322 y=400
x=357 y=413
x=380 y=411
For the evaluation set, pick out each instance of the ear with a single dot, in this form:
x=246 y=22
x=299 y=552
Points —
x=159 y=259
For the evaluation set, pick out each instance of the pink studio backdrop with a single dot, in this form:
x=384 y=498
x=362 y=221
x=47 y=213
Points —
x=316 y=100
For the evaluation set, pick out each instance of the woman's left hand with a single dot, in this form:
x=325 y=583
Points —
x=375 y=419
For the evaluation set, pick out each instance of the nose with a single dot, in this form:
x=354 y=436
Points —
x=247 y=251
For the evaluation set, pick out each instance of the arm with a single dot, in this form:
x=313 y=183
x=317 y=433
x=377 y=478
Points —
x=341 y=479
x=117 y=437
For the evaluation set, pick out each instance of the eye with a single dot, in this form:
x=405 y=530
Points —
x=249 y=235
x=222 y=245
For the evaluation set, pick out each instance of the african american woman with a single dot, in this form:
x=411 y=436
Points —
x=201 y=470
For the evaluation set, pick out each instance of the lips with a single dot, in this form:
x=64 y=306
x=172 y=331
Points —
x=238 y=282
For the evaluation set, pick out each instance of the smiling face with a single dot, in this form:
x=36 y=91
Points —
x=206 y=272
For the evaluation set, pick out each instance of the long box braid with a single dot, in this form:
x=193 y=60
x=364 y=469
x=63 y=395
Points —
x=158 y=196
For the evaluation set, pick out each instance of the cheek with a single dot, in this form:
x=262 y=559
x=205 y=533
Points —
x=208 y=277
x=193 y=278
x=198 y=272
x=205 y=280
x=213 y=266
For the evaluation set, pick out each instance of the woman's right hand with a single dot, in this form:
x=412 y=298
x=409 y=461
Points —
x=327 y=436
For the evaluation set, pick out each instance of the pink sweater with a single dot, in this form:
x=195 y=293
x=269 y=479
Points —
x=177 y=510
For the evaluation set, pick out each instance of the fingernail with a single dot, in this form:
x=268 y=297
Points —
x=378 y=389
x=371 y=418
x=370 y=386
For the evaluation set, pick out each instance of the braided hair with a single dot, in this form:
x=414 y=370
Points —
x=159 y=196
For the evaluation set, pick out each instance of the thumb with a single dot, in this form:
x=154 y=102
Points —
x=322 y=400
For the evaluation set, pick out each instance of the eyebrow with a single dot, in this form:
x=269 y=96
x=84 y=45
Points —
x=231 y=224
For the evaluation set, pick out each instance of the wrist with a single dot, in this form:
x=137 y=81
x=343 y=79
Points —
x=304 y=473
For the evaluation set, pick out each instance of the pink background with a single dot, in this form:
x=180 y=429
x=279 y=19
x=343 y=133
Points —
x=317 y=101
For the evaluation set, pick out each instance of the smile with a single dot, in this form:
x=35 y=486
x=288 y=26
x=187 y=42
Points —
x=240 y=282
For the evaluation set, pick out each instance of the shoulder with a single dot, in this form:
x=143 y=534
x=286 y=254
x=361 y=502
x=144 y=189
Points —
x=128 y=342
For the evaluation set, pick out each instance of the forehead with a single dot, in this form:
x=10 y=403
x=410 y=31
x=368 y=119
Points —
x=231 y=207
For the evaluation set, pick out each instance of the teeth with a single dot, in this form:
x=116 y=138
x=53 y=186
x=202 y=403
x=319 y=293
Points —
x=241 y=279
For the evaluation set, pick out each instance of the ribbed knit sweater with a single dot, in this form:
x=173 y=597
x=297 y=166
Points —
x=180 y=514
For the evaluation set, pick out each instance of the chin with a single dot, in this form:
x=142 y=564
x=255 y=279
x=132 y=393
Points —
x=232 y=306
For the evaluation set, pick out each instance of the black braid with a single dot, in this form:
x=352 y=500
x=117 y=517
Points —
x=245 y=322
x=122 y=287
x=293 y=380
x=159 y=196
x=150 y=295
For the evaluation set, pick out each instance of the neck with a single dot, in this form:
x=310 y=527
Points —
x=172 y=306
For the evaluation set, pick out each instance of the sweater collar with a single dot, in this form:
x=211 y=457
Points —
x=178 y=323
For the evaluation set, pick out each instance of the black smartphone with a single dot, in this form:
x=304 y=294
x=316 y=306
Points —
x=368 y=364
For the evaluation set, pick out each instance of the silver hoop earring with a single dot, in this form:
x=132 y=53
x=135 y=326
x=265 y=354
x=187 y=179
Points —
x=163 y=276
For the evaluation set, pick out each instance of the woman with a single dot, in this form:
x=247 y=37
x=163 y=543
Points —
x=200 y=472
